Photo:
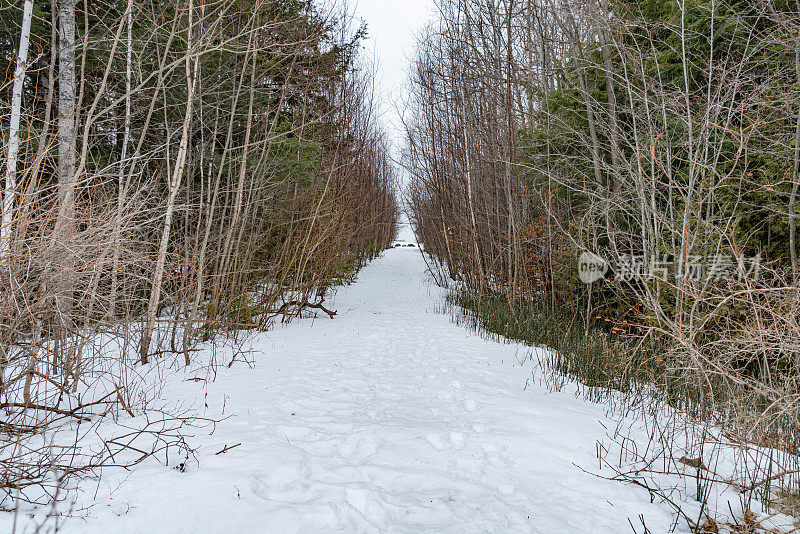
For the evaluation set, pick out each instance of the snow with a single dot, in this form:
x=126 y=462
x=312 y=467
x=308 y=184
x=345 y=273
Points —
x=388 y=418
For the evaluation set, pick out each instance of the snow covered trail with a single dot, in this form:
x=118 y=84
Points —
x=388 y=418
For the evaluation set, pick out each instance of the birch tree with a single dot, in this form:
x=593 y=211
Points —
x=192 y=63
x=10 y=189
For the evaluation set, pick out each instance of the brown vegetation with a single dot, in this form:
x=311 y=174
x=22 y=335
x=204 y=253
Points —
x=185 y=169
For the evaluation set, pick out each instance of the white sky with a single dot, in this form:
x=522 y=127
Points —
x=393 y=26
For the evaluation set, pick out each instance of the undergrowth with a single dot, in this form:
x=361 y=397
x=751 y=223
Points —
x=627 y=373
x=592 y=355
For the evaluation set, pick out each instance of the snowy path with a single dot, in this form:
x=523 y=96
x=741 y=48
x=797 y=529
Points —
x=387 y=419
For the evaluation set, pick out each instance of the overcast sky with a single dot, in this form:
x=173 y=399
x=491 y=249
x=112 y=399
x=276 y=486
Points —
x=393 y=26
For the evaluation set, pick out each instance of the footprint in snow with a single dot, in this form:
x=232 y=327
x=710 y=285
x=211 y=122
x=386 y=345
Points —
x=440 y=443
x=457 y=438
x=437 y=441
x=290 y=483
x=505 y=489
x=493 y=457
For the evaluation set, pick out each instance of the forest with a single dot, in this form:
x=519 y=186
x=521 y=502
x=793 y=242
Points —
x=173 y=171
x=194 y=190
x=657 y=143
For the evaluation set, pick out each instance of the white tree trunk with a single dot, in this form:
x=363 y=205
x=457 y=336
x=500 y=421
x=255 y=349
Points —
x=174 y=185
x=13 y=135
x=123 y=161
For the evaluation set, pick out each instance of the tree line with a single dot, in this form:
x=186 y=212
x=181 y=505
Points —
x=172 y=171
x=658 y=140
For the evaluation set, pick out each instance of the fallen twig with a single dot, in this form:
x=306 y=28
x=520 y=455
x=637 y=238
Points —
x=226 y=448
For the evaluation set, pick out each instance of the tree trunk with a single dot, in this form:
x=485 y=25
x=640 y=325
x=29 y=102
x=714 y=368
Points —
x=13 y=135
x=795 y=182
x=174 y=184
x=66 y=147
x=123 y=164
x=66 y=111
x=512 y=224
